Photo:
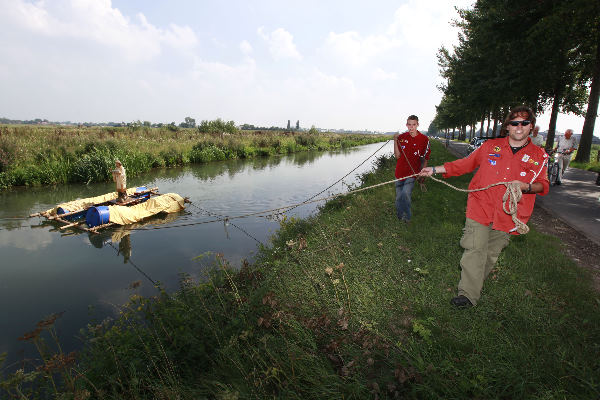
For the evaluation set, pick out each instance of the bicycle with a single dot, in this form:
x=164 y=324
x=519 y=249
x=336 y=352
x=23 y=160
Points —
x=553 y=168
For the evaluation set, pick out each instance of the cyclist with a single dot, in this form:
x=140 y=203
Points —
x=565 y=146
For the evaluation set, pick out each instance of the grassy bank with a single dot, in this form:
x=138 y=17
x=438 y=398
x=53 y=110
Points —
x=33 y=155
x=593 y=165
x=351 y=304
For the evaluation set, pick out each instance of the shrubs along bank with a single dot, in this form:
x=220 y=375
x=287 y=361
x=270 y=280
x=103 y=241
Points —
x=34 y=155
x=354 y=304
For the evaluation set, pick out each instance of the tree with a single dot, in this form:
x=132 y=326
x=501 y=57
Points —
x=298 y=125
x=484 y=76
x=218 y=126
x=188 y=123
x=585 y=144
x=588 y=55
x=288 y=126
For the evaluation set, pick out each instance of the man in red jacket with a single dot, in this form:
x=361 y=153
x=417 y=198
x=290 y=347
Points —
x=411 y=149
x=488 y=228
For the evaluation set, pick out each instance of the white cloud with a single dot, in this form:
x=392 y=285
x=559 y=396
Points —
x=95 y=22
x=357 y=50
x=381 y=75
x=426 y=26
x=417 y=26
x=246 y=47
x=219 y=73
x=281 y=44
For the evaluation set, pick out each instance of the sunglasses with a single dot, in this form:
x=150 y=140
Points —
x=516 y=123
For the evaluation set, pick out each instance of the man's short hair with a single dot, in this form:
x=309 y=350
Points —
x=413 y=117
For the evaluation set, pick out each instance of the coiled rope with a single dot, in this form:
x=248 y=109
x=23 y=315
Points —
x=511 y=197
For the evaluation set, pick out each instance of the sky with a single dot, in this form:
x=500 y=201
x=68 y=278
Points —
x=336 y=64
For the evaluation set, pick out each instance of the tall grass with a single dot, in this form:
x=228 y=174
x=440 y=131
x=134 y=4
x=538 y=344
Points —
x=353 y=303
x=42 y=155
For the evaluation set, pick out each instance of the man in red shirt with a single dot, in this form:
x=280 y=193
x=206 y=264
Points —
x=488 y=228
x=411 y=149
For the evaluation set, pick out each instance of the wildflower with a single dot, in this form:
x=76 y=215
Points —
x=31 y=335
x=49 y=321
x=135 y=285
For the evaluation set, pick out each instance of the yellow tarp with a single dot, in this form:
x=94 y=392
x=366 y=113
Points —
x=122 y=215
x=82 y=204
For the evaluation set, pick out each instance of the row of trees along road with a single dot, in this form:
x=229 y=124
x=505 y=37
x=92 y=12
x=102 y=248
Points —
x=543 y=53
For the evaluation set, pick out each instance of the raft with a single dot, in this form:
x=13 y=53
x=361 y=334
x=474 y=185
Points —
x=102 y=211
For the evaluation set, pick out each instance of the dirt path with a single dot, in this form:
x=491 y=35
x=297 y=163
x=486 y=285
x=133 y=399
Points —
x=578 y=247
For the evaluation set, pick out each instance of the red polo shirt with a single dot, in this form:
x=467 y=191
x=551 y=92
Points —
x=497 y=163
x=414 y=148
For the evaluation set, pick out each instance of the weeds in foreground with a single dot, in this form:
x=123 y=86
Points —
x=55 y=371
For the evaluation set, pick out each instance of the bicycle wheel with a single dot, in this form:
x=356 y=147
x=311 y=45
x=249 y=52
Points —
x=553 y=174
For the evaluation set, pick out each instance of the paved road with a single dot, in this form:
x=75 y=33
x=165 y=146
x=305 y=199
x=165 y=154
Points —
x=576 y=201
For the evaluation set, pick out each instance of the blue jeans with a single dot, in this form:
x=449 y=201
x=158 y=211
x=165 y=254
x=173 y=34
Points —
x=404 y=190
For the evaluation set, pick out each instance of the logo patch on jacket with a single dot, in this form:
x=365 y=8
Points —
x=497 y=149
x=525 y=158
x=494 y=155
x=492 y=162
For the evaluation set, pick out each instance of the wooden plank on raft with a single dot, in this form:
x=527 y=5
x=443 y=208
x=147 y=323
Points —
x=69 y=226
x=96 y=228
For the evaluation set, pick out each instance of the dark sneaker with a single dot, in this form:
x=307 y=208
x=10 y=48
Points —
x=557 y=183
x=461 y=302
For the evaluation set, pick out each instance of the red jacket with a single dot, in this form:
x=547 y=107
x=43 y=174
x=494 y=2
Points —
x=414 y=148
x=497 y=163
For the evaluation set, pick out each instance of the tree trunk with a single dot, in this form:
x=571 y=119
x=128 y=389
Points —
x=552 y=126
x=453 y=132
x=482 y=124
x=488 y=126
x=495 y=123
x=585 y=144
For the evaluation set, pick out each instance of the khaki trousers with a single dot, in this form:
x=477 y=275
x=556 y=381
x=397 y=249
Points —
x=482 y=246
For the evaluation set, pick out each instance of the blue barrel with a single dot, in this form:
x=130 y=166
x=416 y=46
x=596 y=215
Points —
x=97 y=216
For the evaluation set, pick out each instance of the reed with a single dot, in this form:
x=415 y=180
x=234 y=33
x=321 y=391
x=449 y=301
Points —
x=42 y=155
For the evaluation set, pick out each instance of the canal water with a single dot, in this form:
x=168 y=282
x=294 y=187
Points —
x=44 y=270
